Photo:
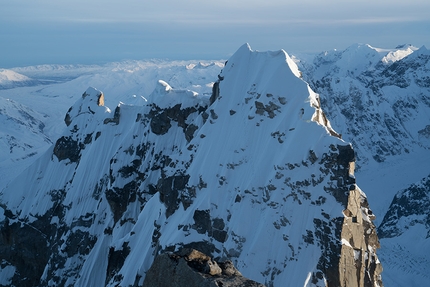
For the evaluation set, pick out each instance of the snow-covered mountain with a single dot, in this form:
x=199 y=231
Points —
x=253 y=172
x=243 y=165
x=32 y=115
x=379 y=100
x=10 y=79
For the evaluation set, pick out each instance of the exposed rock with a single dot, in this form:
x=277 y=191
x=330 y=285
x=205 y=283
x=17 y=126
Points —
x=190 y=267
x=170 y=188
x=67 y=148
x=101 y=100
x=160 y=123
x=161 y=119
x=189 y=132
x=118 y=198
x=116 y=260
x=215 y=91
x=115 y=118
x=270 y=108
x=359 y=239
x=24 y=247
x=359 y=244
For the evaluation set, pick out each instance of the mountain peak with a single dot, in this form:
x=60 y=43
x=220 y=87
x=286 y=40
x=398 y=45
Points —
x=11 y=76
x=92 y=101
x=246 y=54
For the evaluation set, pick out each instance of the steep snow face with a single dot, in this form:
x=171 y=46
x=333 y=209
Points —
x=378 y=99
x=253 y=173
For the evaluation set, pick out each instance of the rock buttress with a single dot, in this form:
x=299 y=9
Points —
x=359 y=265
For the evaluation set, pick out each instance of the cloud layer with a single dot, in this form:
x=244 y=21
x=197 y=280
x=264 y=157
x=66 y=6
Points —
x=93 y=31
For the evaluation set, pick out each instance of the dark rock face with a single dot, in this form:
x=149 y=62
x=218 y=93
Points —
x=116 y=260
x=189 y=268
x=67 y=148
x=213 y=227
x=215 y=90
x=170 y=188
x=118 y=198
x=25 y=248
x=160 y=123
x=161 y=119
x=270 y=109
x=116 y=116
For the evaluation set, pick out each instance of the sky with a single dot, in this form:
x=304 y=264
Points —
x=96 y=31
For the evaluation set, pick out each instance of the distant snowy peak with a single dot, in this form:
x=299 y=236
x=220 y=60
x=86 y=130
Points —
x=387 y=55
x=397 y=54
x=356 y=59
x=11 y=76
x=201 y=65
x=10 y=79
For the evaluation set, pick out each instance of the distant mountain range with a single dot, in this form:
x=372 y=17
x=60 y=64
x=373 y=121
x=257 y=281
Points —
x=304 y=170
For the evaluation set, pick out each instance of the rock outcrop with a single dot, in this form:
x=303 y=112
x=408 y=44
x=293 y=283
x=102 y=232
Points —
x=359 y=265
x=192 y=268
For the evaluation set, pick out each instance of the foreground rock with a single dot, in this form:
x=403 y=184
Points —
x=190 y=268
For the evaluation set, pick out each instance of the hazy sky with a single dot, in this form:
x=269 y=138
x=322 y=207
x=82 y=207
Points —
x=63 y=31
